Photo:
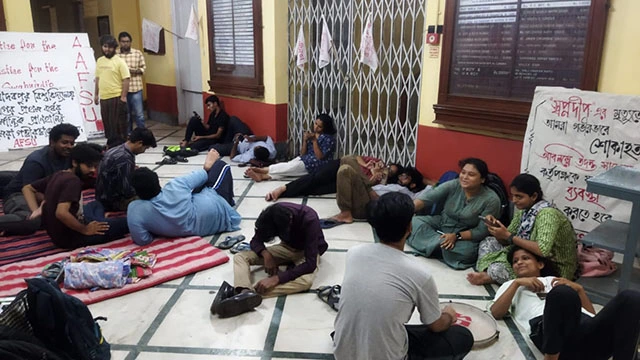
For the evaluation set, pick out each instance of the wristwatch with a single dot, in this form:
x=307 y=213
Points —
x=459 y=236
x=510 y=239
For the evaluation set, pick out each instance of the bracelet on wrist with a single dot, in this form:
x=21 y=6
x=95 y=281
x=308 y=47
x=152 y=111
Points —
x=510 y=239
x=459 y=236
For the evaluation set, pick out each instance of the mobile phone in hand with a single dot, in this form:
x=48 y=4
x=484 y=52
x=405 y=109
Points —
x=487 y=221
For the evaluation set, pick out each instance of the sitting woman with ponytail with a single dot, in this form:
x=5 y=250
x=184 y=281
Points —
x=537 y=226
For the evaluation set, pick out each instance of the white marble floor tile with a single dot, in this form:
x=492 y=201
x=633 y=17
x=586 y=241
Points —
x=118 y=355
x=148 y=158
x=176 y=356
x=170 y=140
x=128 y=323
x=239 y=186
x=359 y=231
x=262 y=188
x=305 y=325
x=190 y=324
x=450 y=281
x=16 y=154
x=343 y=244
x=176 y=170
x=324 y=207
x=11 y=166
x=251 y=207
x=330 y=269
x=238 y=172
x=162 y=126
x=160 y=133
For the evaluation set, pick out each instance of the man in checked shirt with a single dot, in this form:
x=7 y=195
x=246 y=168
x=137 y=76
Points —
x=135 y=62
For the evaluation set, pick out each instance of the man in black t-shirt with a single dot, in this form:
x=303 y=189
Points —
x=39 y=164
x=69 y=224
x=207 y=133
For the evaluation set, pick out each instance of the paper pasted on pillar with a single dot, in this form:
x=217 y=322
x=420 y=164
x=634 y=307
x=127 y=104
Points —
x=50 y=62
x=573 y=135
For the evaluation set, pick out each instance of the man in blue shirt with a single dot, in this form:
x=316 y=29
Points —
x=38 y=165
x=179 y=209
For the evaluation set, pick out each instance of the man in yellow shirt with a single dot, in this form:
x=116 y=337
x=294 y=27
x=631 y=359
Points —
x=112 y=87
x=136 y=64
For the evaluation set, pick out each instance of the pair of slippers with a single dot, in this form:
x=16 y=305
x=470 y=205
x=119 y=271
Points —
x=230 y=241
x=330 y=295
x=330 y=223
x=239 y=247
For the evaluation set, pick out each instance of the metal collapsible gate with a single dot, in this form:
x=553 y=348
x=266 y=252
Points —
x=376 y=112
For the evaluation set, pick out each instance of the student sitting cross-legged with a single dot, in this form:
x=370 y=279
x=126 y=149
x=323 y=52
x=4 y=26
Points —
x=382 y=286
x=195 y=204
x=68 y=223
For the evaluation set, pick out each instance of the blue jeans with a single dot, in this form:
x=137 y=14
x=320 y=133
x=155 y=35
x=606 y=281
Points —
x=136 y=111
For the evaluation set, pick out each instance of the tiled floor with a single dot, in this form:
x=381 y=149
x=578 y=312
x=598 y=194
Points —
x=172 y=322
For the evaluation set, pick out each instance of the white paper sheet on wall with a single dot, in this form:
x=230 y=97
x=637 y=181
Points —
x=151 y=35
x=192 y=26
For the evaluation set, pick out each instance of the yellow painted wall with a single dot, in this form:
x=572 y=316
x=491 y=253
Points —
x=619 y=73
x=275 y=40
x=160 y=68
x=18 y=15
x=127 y=19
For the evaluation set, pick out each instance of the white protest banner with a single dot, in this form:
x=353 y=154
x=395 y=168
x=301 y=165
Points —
x=368 y=53
x=31 y=61
x=301 y=50
x=151 y=35
x=573 y=135
x=27 y=115
x=192 y=26
x=325 y=45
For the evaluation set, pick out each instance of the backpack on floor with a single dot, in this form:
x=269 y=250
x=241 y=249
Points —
x=177 y=150
x=63 y=323
x=495 y=183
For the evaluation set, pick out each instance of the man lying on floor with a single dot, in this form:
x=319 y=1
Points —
x=199 y=203
x=69 y=224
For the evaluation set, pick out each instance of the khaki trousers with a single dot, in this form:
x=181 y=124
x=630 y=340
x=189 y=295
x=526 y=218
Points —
x=352 y=189
x=282 y=254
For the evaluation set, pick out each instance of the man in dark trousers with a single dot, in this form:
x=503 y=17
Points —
x=382 y=286
x=39 y=164
x=70 y=224
x=200 y=134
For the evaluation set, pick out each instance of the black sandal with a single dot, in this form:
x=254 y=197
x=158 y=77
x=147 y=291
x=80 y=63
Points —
x=167 y=161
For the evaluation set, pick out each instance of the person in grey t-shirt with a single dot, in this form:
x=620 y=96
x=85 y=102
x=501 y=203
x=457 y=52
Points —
x=382 y=286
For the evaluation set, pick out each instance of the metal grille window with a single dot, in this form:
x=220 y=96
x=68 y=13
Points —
x=235 y=47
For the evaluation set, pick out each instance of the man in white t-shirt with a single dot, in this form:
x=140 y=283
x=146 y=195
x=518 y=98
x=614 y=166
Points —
x=382 y=286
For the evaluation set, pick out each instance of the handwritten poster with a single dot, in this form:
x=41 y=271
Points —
x=32 y=61
x=573 y=135
x=27 y=116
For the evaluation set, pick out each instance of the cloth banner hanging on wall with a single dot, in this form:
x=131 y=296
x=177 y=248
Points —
x=192 y=26
x=368 y=53
x=573 y=135
x=325 y=45
x=301 y=50
x=151 y=35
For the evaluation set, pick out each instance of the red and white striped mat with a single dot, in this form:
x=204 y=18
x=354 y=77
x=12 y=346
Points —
x=175 y=258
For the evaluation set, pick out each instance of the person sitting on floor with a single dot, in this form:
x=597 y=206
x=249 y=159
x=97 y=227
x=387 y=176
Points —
x=199 y=203
x=323 y=181
x=536 y=226
x=456 y=232
x=38 y=165
x=113 y=184
x=206 y=133
x=354 y=192
x=70 y=224
x=317 y=149
x=559 y=316
x=301 y=245
x=381 y=288
x=248 y=147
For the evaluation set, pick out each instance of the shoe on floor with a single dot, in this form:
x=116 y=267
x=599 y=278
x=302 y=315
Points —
x=226 y=291
x=238 y=304
x=229 y=241
x=242 y=246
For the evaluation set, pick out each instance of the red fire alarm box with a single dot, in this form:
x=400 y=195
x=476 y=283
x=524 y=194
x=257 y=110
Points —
x=433 y=39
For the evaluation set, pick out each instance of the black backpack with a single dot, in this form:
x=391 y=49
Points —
x=495 y=183
x=63 y=323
